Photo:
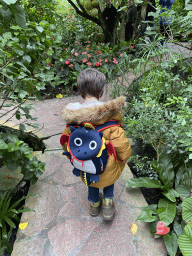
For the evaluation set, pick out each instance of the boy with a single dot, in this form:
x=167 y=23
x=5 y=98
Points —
x=90 y=83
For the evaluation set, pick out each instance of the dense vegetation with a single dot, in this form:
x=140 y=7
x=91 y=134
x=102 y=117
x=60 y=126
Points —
x=43 y=47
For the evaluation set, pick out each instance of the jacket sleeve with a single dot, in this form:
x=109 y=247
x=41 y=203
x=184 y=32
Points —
x=121 y=143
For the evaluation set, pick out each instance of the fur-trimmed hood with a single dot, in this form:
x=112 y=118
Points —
x=75 y=113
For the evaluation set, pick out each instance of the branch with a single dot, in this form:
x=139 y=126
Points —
x=84 y=13
x=7 y=63
x=13 y=108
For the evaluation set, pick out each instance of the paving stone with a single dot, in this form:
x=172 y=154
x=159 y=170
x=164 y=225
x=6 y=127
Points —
x=46 y=206
x=52 y=165
x=111 y=238
x=70 y=210
x=9 y=179
x=65 y=176
x=149 y=245
x=67 y=193
x=82 y=198
x=64 y=237
x=29 y=247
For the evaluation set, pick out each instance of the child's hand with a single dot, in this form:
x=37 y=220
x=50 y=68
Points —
x=94 y=178
x=76 y=172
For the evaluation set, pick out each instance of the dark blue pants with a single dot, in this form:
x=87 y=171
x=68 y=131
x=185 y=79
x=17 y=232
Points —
x=93 y=193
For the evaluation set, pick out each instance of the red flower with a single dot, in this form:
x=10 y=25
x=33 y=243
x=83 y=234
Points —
x=115 y=61
x=161 y=229
x=99 y=52
x=97 y=64
x=106 y=60
x=78 y=43
x=71 y=65
x=53 y=38
x=67 y=62
x=62 y=69
x=131 y=46
x=84 y=52
x=88 y=42
x=100 y=61
x=84 y=60
x=88 y=55
x=114 y=58
x=89 y=63
x=69 y=59
x=76 y=54
x=121 y=54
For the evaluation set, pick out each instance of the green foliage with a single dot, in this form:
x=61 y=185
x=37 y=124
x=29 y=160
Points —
x=11 y=11
x=21 y=155
x=171 y=243
x=78 y=57
x=8 y=215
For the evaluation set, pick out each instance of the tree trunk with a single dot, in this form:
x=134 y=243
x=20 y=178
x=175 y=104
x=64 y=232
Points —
x=139 y=25
x=123 y=24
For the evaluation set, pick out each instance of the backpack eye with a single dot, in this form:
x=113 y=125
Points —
x=92 y=144
x=78 y=142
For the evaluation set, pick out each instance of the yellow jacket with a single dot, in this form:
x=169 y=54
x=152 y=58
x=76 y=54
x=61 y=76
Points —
x=98 y=115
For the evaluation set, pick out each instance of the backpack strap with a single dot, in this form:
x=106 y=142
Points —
x=106 y=125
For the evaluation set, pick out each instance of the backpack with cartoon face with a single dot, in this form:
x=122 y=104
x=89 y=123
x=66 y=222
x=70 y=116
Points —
x=88 y=150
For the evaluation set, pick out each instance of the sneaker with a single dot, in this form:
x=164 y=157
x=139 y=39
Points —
x=108 y=209
x=95 y=208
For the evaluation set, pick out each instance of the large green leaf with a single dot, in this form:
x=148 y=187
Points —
x=146 y=216
x=171 y=194
x=19 y=14
x=185 y=240
x=171 y=243
x=144 y=182
x=3 y=145
x=183 y=191
x=165 y=170
x=22 y=94
x=9 y=221
x=177 y=226
x=187 y=209
x=5 y=15
x=10 y=1
x=166 y=211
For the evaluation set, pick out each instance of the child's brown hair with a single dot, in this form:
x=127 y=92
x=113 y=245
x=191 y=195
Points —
x=91 y=82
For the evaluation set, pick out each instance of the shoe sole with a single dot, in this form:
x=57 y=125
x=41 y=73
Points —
x=109 y=218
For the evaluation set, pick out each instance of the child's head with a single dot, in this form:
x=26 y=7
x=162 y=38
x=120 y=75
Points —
x=91 y=82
